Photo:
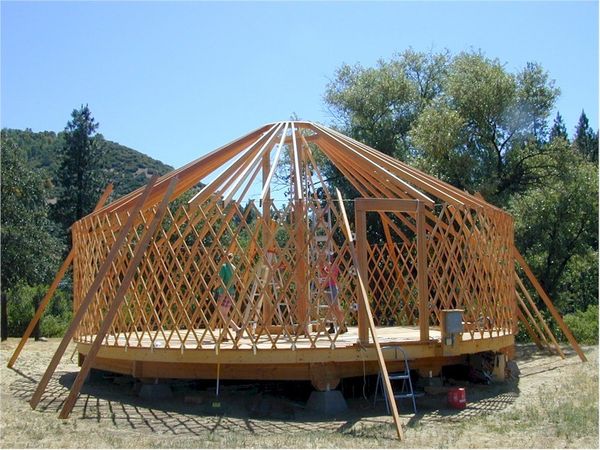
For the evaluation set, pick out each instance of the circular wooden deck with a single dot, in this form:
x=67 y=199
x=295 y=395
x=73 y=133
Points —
x=162 y=355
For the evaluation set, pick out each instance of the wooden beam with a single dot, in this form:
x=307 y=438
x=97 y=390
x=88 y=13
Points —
x=370 y=163
x=83 y=307
x=422 y=276
x=361 y=237
x=236 y=169
x=57 y=279
x=140 y=250
x=267 y=184
x=190 y=174
x=385 y=205
x=559 y=320
x=365 y=300
x=444 y=191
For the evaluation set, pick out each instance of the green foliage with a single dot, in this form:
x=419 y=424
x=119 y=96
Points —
x=464 y=118
x=79 y=174
x=469 y=121
x=379 y=105
x=586 y=141
x=556 y=229
x=584 y=325
x=128 y=169
x=30 y=250
x=22 y=304
x=559 y=130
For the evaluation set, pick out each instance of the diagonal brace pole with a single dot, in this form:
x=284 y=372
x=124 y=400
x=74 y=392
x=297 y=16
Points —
x=140 y=250
x=559 y=320
x=81 y=311
x=57 y=279
x=364 y=299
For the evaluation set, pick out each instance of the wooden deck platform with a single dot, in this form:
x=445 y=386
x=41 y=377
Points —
x=289 y=357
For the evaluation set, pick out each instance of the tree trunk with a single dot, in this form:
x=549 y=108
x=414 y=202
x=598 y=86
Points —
x=3 y=317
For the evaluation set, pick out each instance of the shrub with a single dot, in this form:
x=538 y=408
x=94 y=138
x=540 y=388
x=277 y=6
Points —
x=21 y=306
x=584 y=325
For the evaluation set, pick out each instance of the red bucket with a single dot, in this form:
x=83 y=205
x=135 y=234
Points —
x=457 y=398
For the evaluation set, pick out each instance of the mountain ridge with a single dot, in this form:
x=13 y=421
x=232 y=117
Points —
x=126 y=167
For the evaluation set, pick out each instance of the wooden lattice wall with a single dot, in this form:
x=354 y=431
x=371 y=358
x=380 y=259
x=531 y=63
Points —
x=173 y=298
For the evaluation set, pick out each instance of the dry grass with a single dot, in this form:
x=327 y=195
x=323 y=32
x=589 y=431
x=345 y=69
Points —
x=555 y=404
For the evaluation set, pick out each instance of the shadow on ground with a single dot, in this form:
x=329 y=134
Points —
x=258 y=407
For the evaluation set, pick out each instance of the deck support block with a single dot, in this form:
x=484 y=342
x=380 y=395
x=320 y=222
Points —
x=327 y=402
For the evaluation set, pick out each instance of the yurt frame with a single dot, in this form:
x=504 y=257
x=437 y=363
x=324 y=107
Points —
x=147 y=285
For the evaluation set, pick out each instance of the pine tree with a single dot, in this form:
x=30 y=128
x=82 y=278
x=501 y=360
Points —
x=80 y=176
x=559 y=130
x=586 y=141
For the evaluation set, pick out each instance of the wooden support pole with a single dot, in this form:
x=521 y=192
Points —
x=83 y=307
x=540 y=333
x=422 y=276
x=559 y=320
x=365 y=301
x=300 y=271
x=540 y=317
x=57 y=279
x=529 y=330
x=140 y=249
x=266 y=223
x=362 y=266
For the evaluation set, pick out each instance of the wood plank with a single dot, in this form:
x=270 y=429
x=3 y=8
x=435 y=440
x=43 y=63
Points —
x=385 y=205
x=365 y=300
x=83 y=307
x=140 y=250
x=267 y=183
x=559 y=320
x=422 y=276
x=361 y=236
x=57 y=279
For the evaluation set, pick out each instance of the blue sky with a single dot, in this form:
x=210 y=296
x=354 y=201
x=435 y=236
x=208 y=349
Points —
x=177 y=80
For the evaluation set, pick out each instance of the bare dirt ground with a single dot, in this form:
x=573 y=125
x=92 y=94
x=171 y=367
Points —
x=553 y=405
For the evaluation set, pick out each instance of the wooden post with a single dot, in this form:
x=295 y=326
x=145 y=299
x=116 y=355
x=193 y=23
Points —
x=140 y=249
x=301 y=268
x=365 y=301
x=362 y=242
x=563 y=326
x=422 y=273
x=57 y=279
x=266 y=212
x=83 y=307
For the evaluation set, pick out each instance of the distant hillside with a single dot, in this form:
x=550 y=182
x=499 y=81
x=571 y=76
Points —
x=128 y=169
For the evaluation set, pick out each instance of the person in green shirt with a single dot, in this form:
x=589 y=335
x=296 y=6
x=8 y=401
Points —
x=226 y=293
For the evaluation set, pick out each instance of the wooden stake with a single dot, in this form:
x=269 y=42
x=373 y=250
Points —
x=365 y=301
x=83 y=307
x=57 y=279
x=140 y=250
